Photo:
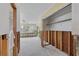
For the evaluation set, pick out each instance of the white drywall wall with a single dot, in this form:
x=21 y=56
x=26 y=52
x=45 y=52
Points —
x=4 y=18
x=75 y=18
x=63 y=14
x=6 y=23
x=63 y=26
x=54 y=9
x=18 y=18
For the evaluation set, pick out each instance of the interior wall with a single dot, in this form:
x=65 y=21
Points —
x=4 y=18
x=63 y=26
x=63 y=14
x=54 y=9
x=38 y=21
x=18 y=18
x=45 y=22
x=75 y=18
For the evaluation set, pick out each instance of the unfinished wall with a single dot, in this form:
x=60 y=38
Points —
x=54 y=21
x=57 y=30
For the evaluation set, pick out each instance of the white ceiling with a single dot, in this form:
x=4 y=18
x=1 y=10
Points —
x=33 y=11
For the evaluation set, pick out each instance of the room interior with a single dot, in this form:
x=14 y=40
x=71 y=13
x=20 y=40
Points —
x=41 y=29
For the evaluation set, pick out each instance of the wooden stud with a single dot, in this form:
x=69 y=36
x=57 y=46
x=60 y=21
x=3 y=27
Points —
x=0 y=45
x=60 y=35
x=46 y=36
x=52 y=38
x=15 y=48
x=72 y=46
x=42 y=38
x=4 y=46
x=59 y=39
x=65 y=42
x=57 y=43
x=18 y=41
x=69 y=38
x=55 y=37
x=13 y=5
x=49 y=37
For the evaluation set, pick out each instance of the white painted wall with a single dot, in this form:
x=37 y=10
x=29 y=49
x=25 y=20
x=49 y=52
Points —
x=54 y=9
x=6 y=24
x=58 y=16
x=4 y=18
x=63 y=26
x=75 y=18
x=45 y=26
x=18 y=17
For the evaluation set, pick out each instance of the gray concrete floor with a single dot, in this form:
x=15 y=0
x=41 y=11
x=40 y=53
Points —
x=31 y=47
